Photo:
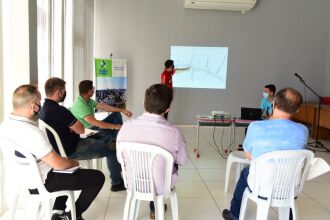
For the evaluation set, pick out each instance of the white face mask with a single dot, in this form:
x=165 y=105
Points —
x=265 y=95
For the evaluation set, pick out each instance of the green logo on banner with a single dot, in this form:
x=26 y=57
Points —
x=103 y=67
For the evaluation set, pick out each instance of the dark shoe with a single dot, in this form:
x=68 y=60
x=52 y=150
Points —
x=240 y=148
x=57 y=216
x=118 y=187
x=152 y=215
x=152 y=212
x=226 y=214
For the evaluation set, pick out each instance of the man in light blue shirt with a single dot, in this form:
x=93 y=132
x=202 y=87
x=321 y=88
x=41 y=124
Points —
x=267 y=102
x=277 y=133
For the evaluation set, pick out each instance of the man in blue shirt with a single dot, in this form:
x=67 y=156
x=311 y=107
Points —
x=267 y=102
x=277 y=133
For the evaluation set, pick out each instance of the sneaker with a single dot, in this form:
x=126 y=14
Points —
x=57 y=216
x=118 y=187
x=152 y=213
x=226 y=214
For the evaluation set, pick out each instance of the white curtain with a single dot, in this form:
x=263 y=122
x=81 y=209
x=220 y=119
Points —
x=65 y=43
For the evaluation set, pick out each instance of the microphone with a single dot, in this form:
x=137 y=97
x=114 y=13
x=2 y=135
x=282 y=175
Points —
x=299 y=77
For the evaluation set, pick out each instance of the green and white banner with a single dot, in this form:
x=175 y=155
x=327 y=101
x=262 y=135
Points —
x=111 y=81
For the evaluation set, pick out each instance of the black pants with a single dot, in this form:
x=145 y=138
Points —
x=88 y=181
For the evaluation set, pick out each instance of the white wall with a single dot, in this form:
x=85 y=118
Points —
x=267 y=45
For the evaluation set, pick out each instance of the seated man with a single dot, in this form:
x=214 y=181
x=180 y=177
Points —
x=21 y=128
x=153 y=128
x=69 y=128
x=83 y=110
x=279 y=132
x=267 y=101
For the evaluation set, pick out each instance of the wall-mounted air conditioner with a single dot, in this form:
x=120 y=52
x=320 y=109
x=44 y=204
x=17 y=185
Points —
x=227 y=5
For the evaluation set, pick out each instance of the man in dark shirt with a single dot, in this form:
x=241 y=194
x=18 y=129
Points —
x=69 y=130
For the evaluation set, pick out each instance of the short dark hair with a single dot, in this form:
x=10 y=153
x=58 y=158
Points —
x=168 y=63
x=53 y=84
x=85 y=86
x=158 y=98
x=288 y=100
x=271 y=87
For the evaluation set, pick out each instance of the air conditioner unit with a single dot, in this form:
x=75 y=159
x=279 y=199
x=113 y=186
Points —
x=227 y=5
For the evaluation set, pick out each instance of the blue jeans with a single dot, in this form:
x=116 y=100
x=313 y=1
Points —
x=97 y=146
x=91 y=148
x=108 y=135
x=235 y=204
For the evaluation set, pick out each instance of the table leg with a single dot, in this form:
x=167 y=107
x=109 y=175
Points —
x=197 y=141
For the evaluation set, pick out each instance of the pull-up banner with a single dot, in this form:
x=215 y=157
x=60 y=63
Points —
x=111 y=81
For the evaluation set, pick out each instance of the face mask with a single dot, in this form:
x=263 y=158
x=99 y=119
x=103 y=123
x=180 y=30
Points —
x=37 y=112
x=265 y=95
x=63 y=97
x=35 y=116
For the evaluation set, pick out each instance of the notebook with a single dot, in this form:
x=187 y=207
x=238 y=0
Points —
x=69 y=170
x=251 y=113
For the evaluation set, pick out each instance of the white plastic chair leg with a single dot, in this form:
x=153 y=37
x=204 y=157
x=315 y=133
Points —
x=72 y=206
x=262 y=209
x=127 y=206
x=49 y=207
x=132 y=208
x=13 y=207
x=295 y=211
x=243 y=205
x=228 y=167
x=159 y=208
x=33 y=209
x=174 y=205
x=283 y=213
x=136 y=209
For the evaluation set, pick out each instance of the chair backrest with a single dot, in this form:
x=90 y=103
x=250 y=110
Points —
x=44 y=127
x=289 y=169
x=25 y=163
x=141 y=158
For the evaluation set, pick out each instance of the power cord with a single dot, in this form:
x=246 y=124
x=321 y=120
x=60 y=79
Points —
x=214 y=141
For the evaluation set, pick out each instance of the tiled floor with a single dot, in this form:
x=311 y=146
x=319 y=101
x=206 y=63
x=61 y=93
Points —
x=201 y=183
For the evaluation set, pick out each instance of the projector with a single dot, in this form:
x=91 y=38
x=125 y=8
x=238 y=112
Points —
x=220 y=114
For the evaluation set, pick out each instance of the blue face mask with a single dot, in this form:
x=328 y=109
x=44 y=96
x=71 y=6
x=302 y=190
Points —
x=265 y=95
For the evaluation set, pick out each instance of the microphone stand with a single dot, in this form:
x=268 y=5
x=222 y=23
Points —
x=316 y=143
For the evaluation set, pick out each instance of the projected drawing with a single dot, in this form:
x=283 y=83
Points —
x=207 y=67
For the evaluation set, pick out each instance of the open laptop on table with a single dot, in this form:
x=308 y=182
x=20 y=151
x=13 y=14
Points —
x=252 y=114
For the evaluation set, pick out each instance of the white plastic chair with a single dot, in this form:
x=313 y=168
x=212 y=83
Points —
x=141 y=157
x=289 y=173
x=44 y=127
x=235 y=157
x=27 y=166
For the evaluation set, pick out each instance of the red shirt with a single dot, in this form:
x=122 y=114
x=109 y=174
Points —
x=166 y=78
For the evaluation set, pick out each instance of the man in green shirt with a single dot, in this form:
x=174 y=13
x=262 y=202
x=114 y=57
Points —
x=83 y=110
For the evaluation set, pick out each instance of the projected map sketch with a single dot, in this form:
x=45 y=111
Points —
x=207 y=67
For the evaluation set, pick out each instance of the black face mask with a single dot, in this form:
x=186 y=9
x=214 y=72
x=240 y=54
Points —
x=63 y=97
x=37 y=112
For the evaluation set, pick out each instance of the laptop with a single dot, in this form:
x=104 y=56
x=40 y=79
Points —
x=251 y=113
